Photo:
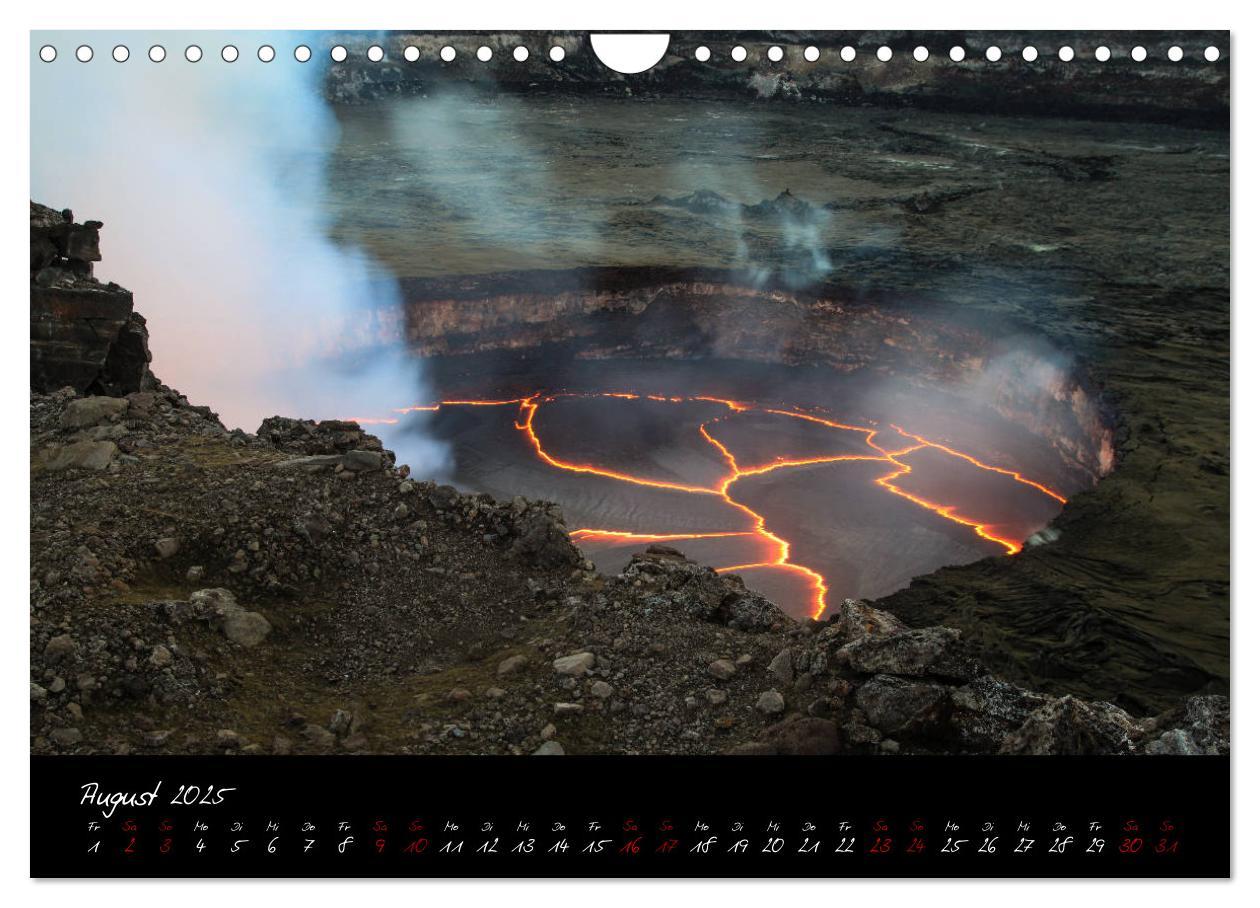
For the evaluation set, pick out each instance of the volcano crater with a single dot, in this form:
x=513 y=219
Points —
x=822 y=443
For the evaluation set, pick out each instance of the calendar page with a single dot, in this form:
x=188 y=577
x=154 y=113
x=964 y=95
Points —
x=816 y=444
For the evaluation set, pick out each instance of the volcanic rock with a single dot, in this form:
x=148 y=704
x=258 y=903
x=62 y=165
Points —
x=59 y=648
x=541 y=539
x=239 y=625
x=922 y=652
x=576 y=664
x=770 y=703
x=986 y=711
x=306 y=436
x=803 y=736
x=602 y=690
x=166 y=547
x=898 y=706
x=89 y=411
x=1071 y=726
x=84 y=334
x=66 y=737
x=781 y=667
x=79 y=455
x=1199 y=726
x=512 y=665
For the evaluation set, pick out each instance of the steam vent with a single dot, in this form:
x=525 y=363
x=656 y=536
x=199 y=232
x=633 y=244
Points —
x=723 y=408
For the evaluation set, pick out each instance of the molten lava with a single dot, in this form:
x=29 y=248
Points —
x=778 y=549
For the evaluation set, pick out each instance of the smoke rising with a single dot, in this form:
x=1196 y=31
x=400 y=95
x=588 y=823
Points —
x=211 y=180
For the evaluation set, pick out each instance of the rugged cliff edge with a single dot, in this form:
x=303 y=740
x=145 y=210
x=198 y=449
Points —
x=197 y=590
x=84 y=334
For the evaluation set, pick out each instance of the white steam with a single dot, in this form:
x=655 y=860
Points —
x=210 y=180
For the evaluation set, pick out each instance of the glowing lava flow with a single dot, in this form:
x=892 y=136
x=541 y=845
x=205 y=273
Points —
x=780 y=547
x=1018 y=477
x=616 y=536
x=529 y=407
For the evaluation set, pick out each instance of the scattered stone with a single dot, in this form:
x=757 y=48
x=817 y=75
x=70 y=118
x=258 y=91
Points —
x=511 y=665
x=166 y=547
x=79 y=455
x=89 y=411
x=922 y=652
x=898 y=705
x=341 y=723
x=804 y=736
x=770 y=703
x=576 y=664
x=722 y=669
x=1071 y=726
x=781 y=667
x=242 y=627
x=59 y=648
x=66 y=737
x=1199 y=726
x=715 y=696
x=549 y=749
x=601 y=689
x=318 y=738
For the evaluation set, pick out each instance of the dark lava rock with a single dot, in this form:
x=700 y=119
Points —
x=543 y=541
x=804 y=736
x=84 y=334
x=1198 y=726
x=986 y=711
x=898 y=706
x=1071 y=726
x=702 y=593
x=923 y=652
x=306 y=436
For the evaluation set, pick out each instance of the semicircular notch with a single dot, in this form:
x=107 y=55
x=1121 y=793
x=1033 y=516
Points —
x=629 y=53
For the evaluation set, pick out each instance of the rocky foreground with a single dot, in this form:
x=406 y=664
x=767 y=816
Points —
x=199 y=590
x=196 y=590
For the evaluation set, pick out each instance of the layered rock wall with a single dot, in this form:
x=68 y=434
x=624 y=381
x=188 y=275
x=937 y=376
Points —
x=84 y=334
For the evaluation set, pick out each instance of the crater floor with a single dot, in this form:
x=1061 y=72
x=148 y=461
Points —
x=808 y=505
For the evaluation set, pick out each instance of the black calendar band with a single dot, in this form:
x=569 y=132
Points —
x=438 y=817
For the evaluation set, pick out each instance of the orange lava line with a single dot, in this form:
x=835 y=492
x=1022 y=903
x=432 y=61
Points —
x=433 y=408
x=782 y=548
x=783 y=560
x=808 y=417
x=530 y=407
x=1018 y=477
x=1012 y=546
x=593 y=535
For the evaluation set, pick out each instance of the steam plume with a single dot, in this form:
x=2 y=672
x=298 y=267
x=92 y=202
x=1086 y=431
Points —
x=210 y=179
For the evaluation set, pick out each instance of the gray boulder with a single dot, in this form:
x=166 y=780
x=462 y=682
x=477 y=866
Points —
x=1070 y=726
x=923 y=652
x=91 y=411
x=79 y=455
x=899 y=706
